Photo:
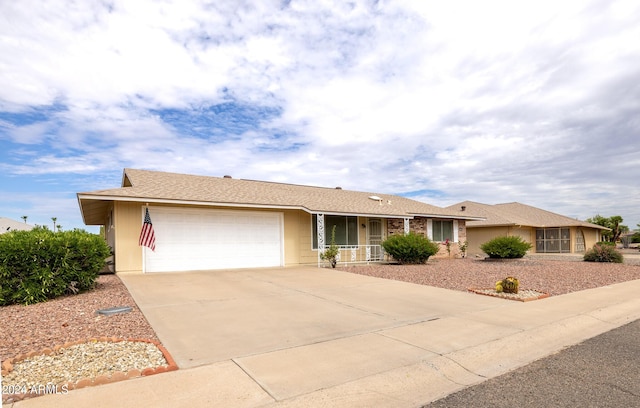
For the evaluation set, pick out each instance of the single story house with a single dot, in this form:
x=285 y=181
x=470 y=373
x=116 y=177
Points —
x=547 y=232
x=7 y=224
x=203 y=223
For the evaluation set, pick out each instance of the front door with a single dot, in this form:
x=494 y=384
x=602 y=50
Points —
x=374 y=239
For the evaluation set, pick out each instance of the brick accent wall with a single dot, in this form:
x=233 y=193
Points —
x=395 y=226
x=419 y=226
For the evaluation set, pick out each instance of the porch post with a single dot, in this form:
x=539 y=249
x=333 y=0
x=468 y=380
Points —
x=406 y=226
x=320 y=228
x=455 y=232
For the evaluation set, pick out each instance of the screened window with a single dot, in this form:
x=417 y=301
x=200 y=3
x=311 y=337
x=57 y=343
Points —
x=553 y=240
x=346 y=230
x=442 y=230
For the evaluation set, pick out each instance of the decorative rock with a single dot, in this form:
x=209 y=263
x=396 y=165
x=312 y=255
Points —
x=522 y=295
x=162 y=369
x=85 y=382
x=134 y=373
x=6 y=365
x=101 y=379
x=148 y=371
x=114 y=310
x=118 y=376
x=87 y=363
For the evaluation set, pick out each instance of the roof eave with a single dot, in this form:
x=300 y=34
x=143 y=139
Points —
x=147 y=200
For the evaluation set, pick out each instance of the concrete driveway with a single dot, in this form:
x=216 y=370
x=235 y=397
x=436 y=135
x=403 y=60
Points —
x=213 y=316
x=293 y=337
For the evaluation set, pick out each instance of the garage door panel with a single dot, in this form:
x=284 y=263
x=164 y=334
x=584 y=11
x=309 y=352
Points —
x=190 y=239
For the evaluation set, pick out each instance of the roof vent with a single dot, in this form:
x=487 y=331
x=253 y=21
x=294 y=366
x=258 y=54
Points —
x=227 y=176
x=338 y=188
x=464 y=207
x=375 y=198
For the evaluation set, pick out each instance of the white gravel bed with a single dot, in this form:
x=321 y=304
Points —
x=522 y=295
x=86 y=360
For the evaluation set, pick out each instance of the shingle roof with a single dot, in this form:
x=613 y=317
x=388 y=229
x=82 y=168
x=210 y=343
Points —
x=518 y=214
x=155 y=186
x=7 y=224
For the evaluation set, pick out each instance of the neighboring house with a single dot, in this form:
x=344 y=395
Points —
x=7 y=224
x=627 y=239
x=203 y=223
x=546 y=231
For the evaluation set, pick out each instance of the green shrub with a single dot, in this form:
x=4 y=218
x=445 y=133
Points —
x=606 y=243
x=410 y=249
x=39 y=264
x=603 y=253
x=506 y=247
x=333 y=251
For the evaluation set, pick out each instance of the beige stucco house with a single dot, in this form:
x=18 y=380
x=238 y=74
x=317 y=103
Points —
x=546 y=231
x=203 y=223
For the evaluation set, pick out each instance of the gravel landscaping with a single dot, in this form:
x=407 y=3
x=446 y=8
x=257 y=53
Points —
x=72 y=318
x=552 y=277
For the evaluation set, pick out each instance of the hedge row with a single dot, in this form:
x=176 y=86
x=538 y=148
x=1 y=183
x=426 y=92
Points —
x=40 y=264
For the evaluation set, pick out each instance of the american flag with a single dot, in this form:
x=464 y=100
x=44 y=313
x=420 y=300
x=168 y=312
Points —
x=147 y=237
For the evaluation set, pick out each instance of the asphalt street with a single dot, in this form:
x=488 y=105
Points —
x=603 y=371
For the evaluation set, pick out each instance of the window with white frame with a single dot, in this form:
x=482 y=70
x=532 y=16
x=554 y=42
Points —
x=346 y=229
x=442 y=230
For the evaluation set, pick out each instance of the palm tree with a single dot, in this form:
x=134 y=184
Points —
x=24 y=217
x=54 y=219
x=59 y=227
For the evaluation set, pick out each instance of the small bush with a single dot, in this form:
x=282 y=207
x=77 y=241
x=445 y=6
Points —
x=506 y=247
x=332 y=253
x=603 y=253
x=410 y=249
x=39 y=264
x=606 y=243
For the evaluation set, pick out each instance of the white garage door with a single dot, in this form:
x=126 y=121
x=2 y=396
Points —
x=197 y=239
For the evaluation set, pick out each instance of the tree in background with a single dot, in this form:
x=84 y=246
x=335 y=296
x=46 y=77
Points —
x=613 y=222
x=635 y=238
x=24 y=217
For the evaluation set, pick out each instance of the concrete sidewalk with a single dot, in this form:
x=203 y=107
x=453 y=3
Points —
x=329 y=338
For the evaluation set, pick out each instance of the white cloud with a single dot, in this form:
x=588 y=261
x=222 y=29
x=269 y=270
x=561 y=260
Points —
x=492 y=101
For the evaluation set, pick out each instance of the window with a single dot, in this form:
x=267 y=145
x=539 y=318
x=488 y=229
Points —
x=553 y=240
x=442 y=230
x=346 y=230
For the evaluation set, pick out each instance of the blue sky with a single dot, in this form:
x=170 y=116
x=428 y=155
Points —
x=494 y=101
